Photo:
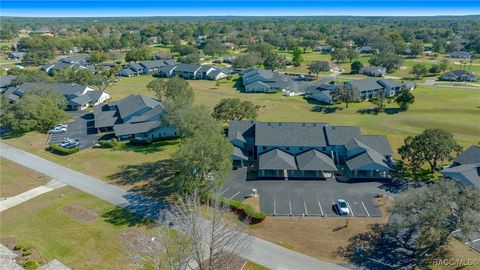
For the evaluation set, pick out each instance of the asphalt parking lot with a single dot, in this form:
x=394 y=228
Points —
x=473 y=242
x=77 y=129
x=305 y=198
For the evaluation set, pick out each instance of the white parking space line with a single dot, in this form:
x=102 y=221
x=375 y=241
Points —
x=473 y=241
x=368 y=214
x=305 y=205
x=290 y=204
x=235 y=195
x=349 y=208
x=220 y=194
x=320 y=205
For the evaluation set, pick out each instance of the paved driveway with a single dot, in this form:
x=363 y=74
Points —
x=80 y=128
x=309 y=198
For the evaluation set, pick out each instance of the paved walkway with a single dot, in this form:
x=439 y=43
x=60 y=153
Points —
x=30 y=194
x=261 y=252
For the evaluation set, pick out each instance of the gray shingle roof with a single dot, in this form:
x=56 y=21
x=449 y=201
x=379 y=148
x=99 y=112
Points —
x=369 y=158
x=80 y=100
x=276 y=159
x=340 y=135
x=379 y=143
x=289 y=134
x=242 y=128
x=314 y=160
x=60 y=88
x=135 y=67
x=135 y=103
x=105 y=119
x=128 y=129
x=6 y=80
x=54 y=265
x=155 y=112
x=187 y=67
x=466 y=173
x=153 y=63
x=390 y=83
x=460 y=54
x=238 y=154
x=469 y=156
x=94 y=95
x=365 y=84
x=7 y=253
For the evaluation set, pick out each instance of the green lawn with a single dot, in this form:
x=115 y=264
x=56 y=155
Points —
x=15 y=179
x=43 y=224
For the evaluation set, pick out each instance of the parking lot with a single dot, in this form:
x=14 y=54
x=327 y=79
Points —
x=77 y=129
x=473 y=242
x=305 y=198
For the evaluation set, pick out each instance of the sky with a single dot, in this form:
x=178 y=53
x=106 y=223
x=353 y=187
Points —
x=108 y=8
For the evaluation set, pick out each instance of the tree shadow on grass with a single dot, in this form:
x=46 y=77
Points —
x=392 y=110
x=149 y=179
x=370 y=111
x=324 y=109
x=123 y=216
x=238 y=85
x=147 y=148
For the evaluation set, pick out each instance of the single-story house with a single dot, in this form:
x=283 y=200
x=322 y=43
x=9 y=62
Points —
x=466 y=167
x=459 y=76
x=370 y=88
x=134 y=117
x=460 y=55
x=295 y=150
x=373 y=71
x=367 y=49
x=79 y=97
x=321 y=91
x=261 y=80
x=16 y=55
x=193 y=71
x=76 y=61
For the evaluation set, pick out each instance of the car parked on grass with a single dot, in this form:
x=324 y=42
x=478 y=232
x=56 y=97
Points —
x=342 y=207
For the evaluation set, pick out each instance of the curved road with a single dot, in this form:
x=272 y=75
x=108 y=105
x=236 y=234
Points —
x=262 y=252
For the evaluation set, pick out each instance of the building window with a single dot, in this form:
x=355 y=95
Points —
x=264 y=147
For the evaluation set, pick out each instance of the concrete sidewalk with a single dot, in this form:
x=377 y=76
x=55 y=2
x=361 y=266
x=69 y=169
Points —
x=27 y=195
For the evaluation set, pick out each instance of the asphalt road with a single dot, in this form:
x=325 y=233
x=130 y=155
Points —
x=262 y=252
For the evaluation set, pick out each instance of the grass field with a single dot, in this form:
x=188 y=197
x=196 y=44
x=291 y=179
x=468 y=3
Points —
x=15 y=179
x=45 y=225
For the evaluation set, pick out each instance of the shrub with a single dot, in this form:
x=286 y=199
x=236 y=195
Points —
x=252 y=214
x=55 y=148
x=241 y=208
x=108 y=143
x=31 y=265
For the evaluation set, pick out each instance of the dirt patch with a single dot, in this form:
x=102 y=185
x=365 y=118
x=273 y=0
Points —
x=138 y=240
x=80 y=213
x=9 y=242
x=403 y=68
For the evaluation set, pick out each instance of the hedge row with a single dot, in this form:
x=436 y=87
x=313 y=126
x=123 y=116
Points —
x=62 y=150
x=108 y=144
x=241 y=208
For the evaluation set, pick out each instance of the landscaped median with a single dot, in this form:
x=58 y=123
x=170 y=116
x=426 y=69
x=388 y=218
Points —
x=57 y=149
x=241 y=209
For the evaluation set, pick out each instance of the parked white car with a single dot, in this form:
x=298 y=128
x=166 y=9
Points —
x=60 y=126
x=57 y=130
x=342 y=207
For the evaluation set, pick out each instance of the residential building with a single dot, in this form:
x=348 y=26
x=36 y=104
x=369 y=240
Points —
x=79 y=97
x=76 y=62
x=466 y=167
x=144 y=67
x=321 y=91
x=367 y=49
x=16 y=55
x=324 y=49
x=459 y=76
x=6 y=81
x=261 y=80
x=193 y=71
x=135 y=117
x=294 y=150
x=373 y=71
x=460 y=55
x=369 y=87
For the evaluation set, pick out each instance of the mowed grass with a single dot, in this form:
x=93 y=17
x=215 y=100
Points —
x=43 y=224
x=97 y=162
x=15 y=179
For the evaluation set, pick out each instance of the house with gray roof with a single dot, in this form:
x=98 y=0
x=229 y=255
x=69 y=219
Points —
x=370 y=87
x=367 y=49
x=16 y=55
x=136 y=117
x=295 y=150
x=466 y=167
x=266 y=81
x=75 y=62
x=6 y=81
x=373 y=71
x=193 y=71
x=459 y=76
x=79 y=97
x=321 y=90
x=460 y=55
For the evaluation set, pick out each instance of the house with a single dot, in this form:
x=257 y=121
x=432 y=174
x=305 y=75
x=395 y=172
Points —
x=370 y=88
x=295 y=150
x=145 y=67
x=260 y=80
x=460 y=55
x=367 y=49
x=152 y=66
x=16 y=55
x=321 y=91
x=466 y=167
x=6 y=81
x=76 y=62
x=373 y=71
x=327 y=66
x=459 y=76
x=135 y=117
x=79 y=97
x=193 y=71
x=324 y=49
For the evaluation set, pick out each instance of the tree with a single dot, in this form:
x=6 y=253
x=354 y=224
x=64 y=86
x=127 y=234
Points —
x=317 y=67
x=139 y=54
x=432 y=147
x=208 y=238
x=38 y=57
x=229 y=109
x=379 y=101
x=389 y=61
x=444 y=64
x=344 y=93
x=188 y=120
x=202 y=162
x=190 y=59
x=356 y=67
x=404 y=99
x=247 y=60
x=352 y=54
x=29 y=75
x=297 y=57
x=214 y=47
x=97 y=58
x=419 y=70
x=73 y=75
x=273 y=61
x=416 y=48
x=158 y=86
x=39 y=110
x=185 y=50
x=435 y=69
x=340 y=55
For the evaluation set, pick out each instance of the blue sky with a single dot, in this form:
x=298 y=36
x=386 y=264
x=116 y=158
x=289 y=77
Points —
x=105 y=8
